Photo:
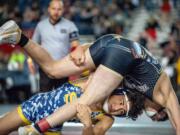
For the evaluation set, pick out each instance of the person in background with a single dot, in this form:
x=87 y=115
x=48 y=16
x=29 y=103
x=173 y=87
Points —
x=16 y=61
x=17 y=77
x=102 y=56
x=58 y=36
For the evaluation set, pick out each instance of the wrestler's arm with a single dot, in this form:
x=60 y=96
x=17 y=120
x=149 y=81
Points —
x=171 y=120
x=164 y=95
x=55 y=69
x=103 y=125
x=158 y=115
x=150 y=104
x=75 y=55
x=155 y=111
x=100 y=128
x=84 y=115
x=80 y=52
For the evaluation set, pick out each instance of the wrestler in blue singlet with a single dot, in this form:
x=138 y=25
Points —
x=44 y=104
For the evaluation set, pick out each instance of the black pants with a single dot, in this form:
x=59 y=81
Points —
x=47 y=84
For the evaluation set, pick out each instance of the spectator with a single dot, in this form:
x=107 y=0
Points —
x=16 y=61
x=151 y=27
x=3 y=60
x=175 y=30
x=19 y=76
x=166 y=10
x=29 y=21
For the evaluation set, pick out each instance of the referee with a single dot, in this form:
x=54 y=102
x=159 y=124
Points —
x=58 y=36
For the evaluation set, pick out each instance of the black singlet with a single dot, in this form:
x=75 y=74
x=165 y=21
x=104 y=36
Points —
x=129 y=59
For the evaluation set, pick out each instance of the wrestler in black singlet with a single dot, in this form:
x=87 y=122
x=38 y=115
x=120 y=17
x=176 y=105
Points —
x=128 y=58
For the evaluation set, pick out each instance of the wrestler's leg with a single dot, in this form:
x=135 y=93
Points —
x=10 y=122
x=10 y=33
x=60 y=68
x=100 y=86
x=165 y=96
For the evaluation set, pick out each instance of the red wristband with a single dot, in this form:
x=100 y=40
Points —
x=73 y=48
x=43 y=125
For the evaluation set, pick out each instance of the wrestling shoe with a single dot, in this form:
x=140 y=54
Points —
x=28 y=130
x=10 y=33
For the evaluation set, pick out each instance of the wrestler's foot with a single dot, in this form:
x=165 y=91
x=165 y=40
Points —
x=10 y=33
x=28 y=130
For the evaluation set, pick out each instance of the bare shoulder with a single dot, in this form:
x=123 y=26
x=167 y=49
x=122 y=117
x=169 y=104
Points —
x=163 y=79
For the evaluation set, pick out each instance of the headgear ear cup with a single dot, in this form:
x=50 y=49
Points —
x=150 y=113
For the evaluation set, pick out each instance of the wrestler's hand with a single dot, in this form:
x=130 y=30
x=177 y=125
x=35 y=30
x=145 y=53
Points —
x=78 y=56
x=83 y=114
x=160 y=116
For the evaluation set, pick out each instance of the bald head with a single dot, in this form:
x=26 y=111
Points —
x=55 y=10
x=56 y=1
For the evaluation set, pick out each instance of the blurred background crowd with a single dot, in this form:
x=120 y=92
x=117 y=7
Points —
x=155 y=24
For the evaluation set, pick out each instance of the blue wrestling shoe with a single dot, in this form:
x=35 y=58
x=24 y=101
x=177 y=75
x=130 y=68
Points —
x=28 y=130
x=10 y=33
